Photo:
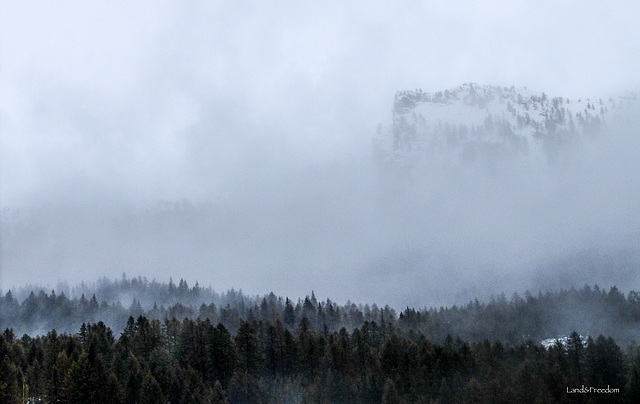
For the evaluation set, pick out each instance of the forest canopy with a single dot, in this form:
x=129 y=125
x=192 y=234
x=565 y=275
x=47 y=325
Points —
x=189 y=344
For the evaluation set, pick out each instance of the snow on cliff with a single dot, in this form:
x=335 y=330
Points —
x=483 y=125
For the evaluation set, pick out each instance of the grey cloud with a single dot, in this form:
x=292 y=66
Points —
x=262 y=117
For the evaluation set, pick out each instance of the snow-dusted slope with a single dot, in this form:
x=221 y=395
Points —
x=564 y=341
x=475 y=124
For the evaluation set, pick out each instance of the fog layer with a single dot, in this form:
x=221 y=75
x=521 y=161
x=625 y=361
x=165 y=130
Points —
x=253 y=123
x=357 y=229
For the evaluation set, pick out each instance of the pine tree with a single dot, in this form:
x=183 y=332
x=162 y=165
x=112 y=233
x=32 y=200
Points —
x=605 y=363
x=8 y=381
x=220 y=355
x=218 y=395
x=58 y=376
x=289 y=317
x=308 y=349
x=150 y=391
x=576 y=354
x=79 y=388
x=248 y=350
x=134 y=379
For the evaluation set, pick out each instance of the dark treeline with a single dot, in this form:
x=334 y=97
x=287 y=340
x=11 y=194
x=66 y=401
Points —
x=589 y=311
x=181 y=344
x=195 y=361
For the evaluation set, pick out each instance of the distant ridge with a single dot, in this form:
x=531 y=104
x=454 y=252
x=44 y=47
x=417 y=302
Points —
x=487 y=124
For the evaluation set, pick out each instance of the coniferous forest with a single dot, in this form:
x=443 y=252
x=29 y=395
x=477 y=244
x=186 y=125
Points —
x=182 y=344
x=430 y=202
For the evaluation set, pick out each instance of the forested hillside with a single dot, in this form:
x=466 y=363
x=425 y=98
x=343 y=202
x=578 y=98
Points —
x=181 y=344
x=589 y=311
x=266 y=362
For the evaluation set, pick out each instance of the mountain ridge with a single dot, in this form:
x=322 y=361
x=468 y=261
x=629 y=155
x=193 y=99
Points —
x=472 y=123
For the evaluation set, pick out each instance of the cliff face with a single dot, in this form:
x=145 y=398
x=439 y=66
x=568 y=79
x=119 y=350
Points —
x=475 y=124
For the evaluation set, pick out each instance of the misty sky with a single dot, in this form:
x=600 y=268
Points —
x=262 y=117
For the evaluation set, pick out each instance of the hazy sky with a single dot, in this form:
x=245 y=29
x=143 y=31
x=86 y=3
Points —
x=267 y=111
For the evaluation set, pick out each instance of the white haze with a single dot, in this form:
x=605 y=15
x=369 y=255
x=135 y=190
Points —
x=261 y=119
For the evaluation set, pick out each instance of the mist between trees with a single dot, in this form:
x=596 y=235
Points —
x=589 y=311
x=270 y=349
